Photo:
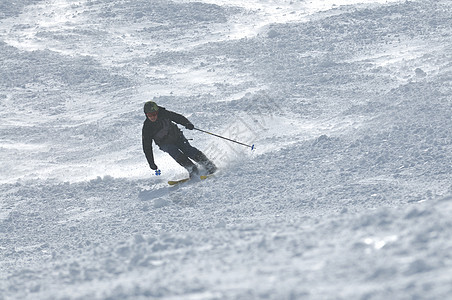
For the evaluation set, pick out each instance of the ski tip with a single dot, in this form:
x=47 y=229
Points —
x=174 y=182
x=252 y=147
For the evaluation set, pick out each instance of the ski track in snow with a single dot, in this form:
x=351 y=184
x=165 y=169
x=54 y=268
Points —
x=347 y=195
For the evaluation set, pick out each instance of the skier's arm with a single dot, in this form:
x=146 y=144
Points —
x=147 y=149
x=180 y=119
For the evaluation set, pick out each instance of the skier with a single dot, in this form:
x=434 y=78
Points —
x=159 y=127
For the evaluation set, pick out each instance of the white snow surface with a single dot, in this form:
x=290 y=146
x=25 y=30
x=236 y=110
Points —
x=348 y=194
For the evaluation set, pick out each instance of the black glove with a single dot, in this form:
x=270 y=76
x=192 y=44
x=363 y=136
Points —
x=190 y=126
x=153 y=166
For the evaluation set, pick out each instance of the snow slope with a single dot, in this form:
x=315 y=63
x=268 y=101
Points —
x=347 y=196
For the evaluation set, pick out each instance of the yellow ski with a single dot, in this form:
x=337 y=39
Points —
x=174 y=182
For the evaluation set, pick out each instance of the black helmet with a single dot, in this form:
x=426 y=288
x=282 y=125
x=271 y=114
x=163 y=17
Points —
x=150 y=107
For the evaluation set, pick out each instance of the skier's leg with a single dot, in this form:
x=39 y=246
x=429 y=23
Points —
x=185 y=162
x=181 y=158
x=202 y=159
x=197 y=156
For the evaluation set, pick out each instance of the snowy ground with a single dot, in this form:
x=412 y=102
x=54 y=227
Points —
x=347 y=196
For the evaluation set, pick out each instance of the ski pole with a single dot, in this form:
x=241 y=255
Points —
x=225 y=138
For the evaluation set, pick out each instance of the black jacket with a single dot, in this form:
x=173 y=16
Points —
x=162 y=132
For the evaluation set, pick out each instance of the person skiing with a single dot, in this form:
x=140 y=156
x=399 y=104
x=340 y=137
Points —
x=160 y=127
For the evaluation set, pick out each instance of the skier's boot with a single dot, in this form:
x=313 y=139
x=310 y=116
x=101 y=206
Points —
x=185 y=162
x=206 y=163
x=193 y=171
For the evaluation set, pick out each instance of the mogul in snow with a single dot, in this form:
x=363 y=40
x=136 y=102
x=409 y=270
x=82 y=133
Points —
x=160 y=127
